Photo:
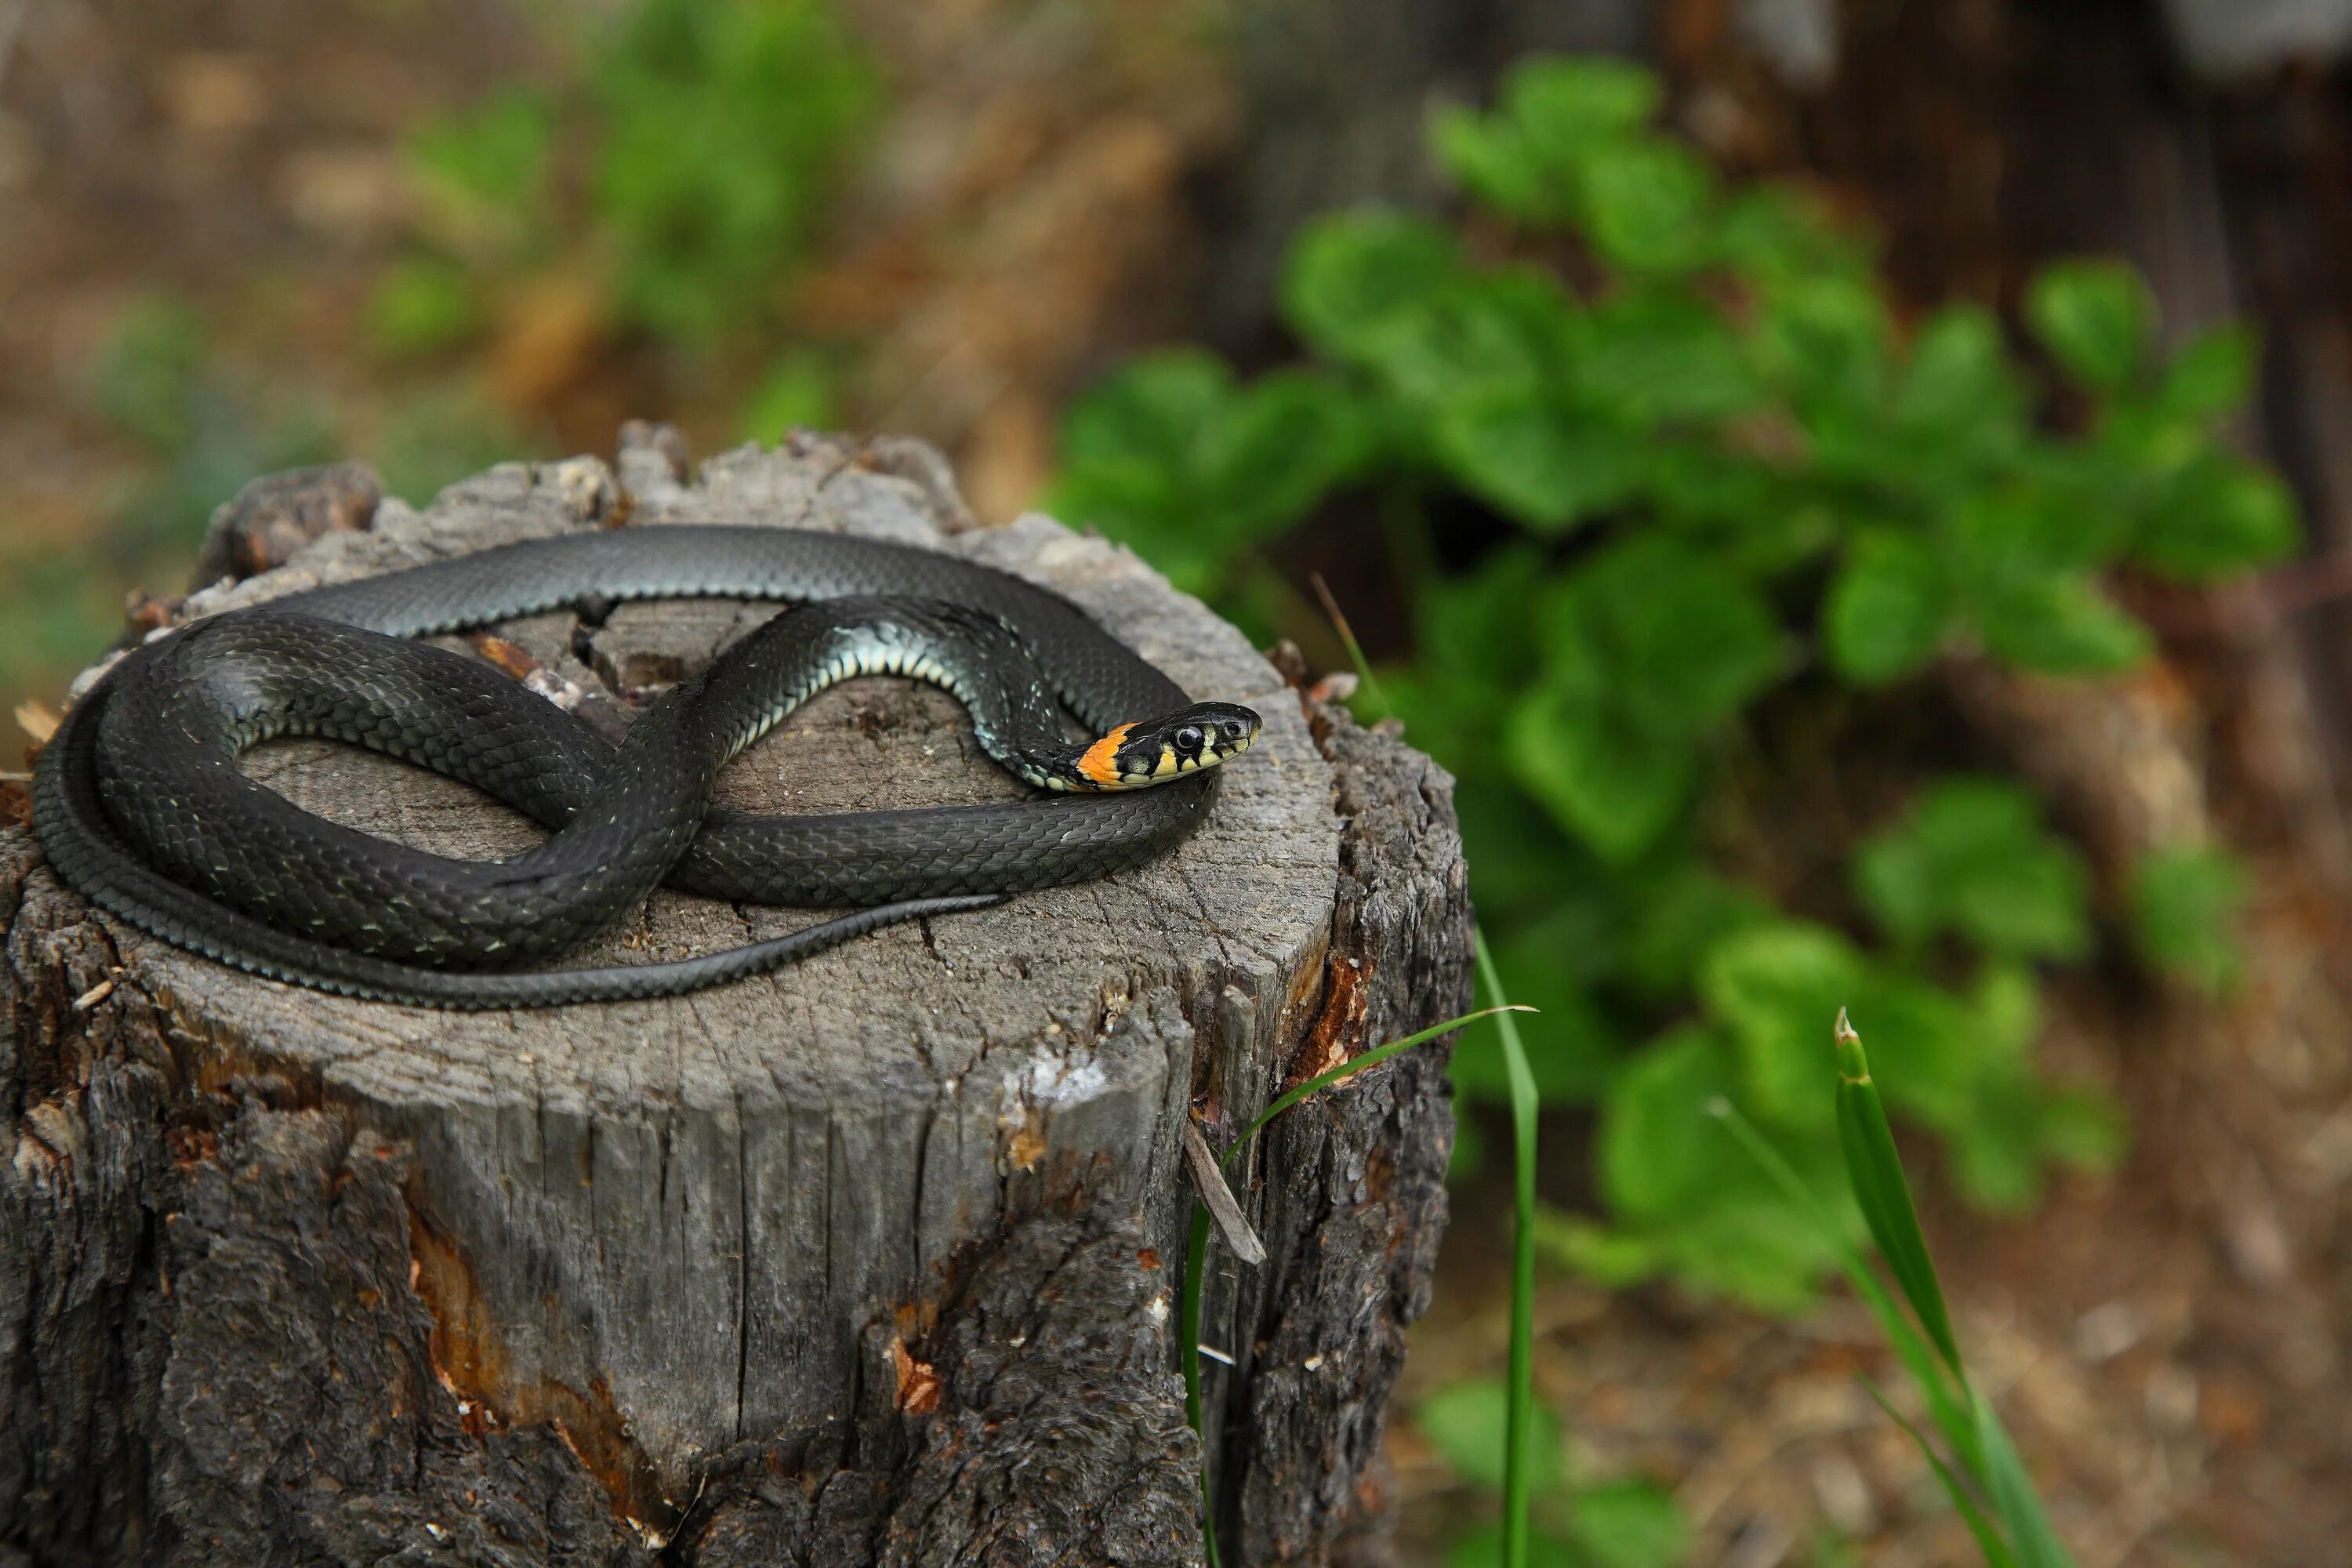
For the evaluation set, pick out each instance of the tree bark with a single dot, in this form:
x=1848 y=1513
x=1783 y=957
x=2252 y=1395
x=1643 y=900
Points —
x=876 y=1259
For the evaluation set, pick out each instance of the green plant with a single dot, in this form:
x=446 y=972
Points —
x=1496 y=1436
x=1979 y=1468
x=1728 y=484
x=686 y=165
x=191 y=432
x=1196 y=1252
x=1607 y=1524
x=720 y=123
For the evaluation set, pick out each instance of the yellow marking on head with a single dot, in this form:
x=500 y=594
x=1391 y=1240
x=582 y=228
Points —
x=1101 y=762
x=1166 y=767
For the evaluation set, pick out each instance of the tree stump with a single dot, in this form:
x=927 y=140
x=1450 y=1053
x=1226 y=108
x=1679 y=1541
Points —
x=876 y=1259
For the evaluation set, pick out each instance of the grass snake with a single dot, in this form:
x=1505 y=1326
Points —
x=140 y=803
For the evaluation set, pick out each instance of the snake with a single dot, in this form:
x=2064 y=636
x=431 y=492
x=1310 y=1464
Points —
x=140 y=803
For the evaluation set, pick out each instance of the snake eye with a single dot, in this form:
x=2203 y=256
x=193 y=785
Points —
x=1189 y=738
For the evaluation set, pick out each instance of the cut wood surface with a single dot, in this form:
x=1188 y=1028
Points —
x=871 y=1259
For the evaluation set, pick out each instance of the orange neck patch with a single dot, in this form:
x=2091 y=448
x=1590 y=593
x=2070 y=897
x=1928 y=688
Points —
x=1101 y=762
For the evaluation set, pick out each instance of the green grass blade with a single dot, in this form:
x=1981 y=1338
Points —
x=1188 y=1340
x=1876 y=1171
x=2013 y=1497
x=1947 y=1404
x=1347 y=639
x=1995 y=1551
x=1196 y=1251
x=1523 y=1270
x=1354 y=1065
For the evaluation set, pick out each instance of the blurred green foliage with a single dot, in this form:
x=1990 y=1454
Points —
x=720 y=124
x=1612 y=1524
x=1727 y=473
x=196 y=433
x=687 y=164
x=669 y=173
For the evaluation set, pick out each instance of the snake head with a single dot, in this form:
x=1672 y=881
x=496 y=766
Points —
x=1157 y=750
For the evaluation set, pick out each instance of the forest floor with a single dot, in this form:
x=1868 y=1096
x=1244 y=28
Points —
x=2167 y=1341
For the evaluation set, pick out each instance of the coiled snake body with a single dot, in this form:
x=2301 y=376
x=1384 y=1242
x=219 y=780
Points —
x=138 y=802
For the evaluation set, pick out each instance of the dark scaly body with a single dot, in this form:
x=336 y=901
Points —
x=139 y=802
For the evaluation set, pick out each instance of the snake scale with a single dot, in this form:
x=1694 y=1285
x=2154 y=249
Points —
x=139 y=802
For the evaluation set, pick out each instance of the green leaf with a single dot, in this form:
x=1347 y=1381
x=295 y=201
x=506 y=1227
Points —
x=1653 y=356
x=2023 y=1518
x=1993 y=1156
x=1464 y=1423
x=2023 y=563
x=1483 y=1548
x=145 y=376
x=1655 y=1161
x=1548 y=965
x=2081 y=1127
x=1741 y=511
x=1349 y=278
x=1615 y=785
x=1663 y=632
x=2060 y=624
x=1613 y=1258
x=495 y=152
x=2220 y=515
x=2185 y=904
x=1523 y=1455
x=1779 y=233
x=1875 y=1171
x=797 y=391
x=1279 y=446
x=422 y=306
x=1155 y=410
x=1534 y=461
x=1888 y=609
x=1994 y=1549
x=722 y=123
x=1933 y=1048
x=1569 y=1049
x=1737 y=1241
x=1131 y=452
x=1511 y=331
x=1629 y=1524
x=1678 y=916
x=2212 y=376
x=1973 y=857
x=1775 y=987
x=1945 y=1395
x=1474 y=624
x=1361 y=1062
x=1647 y=204
x=1565 y=104
x=1516 y=851
x=2096 y=318
x=1491 y=159
x=1959 y=408
x=1827 y=341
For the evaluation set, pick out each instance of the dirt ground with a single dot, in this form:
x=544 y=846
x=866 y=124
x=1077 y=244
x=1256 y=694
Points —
x=2168 y=1342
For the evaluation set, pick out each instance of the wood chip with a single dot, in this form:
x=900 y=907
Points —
x=36 y=719
x=1225 y=1212
x=510 y=659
